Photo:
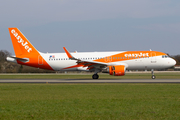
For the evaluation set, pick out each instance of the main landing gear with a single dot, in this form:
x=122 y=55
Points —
x=152 y=73
x=95 y=76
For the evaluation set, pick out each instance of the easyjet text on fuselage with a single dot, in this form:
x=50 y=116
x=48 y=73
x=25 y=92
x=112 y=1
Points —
x=137 y=55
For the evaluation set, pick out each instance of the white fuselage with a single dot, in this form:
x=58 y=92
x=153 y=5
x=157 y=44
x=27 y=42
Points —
x=59 y=61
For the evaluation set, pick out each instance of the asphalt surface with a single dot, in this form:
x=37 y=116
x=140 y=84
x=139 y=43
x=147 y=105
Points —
x=89 y=81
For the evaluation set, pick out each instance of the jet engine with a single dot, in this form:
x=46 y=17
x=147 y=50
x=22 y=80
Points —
x=117 y=70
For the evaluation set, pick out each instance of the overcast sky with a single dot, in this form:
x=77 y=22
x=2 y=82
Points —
x=93 y=25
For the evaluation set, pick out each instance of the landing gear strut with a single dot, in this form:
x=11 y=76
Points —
x=95 y=76
x=152 y=73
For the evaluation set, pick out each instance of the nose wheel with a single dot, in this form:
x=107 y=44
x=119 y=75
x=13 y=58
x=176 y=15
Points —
x=153 y=76
x=95 y=76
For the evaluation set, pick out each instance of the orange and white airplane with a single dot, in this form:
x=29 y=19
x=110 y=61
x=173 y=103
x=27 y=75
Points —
x=114 y=63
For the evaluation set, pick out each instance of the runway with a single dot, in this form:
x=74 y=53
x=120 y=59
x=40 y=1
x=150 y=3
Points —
x=89 y=81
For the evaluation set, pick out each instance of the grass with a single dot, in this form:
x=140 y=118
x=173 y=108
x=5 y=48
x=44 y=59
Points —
x=90 y=101
x=159 y=75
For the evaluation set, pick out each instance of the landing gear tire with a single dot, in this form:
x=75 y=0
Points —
x=95 y=76
x=152 y=73
x=153 y=77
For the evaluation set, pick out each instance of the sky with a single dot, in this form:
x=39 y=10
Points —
x=93 y=25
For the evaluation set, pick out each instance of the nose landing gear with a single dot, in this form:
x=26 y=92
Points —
x=152 y=73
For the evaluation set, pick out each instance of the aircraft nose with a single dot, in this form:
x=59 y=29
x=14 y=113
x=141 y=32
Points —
x=173 y=62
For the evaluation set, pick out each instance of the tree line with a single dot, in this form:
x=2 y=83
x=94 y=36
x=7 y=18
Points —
x=9 y=67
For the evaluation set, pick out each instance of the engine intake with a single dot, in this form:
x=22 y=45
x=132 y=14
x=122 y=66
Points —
x=117 y=70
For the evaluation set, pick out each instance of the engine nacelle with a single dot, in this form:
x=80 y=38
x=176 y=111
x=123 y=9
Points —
x=117 y=70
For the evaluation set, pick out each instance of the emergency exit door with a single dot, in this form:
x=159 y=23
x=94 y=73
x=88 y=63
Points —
x=153 y=57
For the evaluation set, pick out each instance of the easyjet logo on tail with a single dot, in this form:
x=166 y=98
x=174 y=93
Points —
x=21 y=41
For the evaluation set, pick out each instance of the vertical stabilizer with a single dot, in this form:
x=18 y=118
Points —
x=20 y=43
x=25 y=52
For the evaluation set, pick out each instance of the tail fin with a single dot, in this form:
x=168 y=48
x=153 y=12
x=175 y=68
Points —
x=20 y=43
x=25 y=52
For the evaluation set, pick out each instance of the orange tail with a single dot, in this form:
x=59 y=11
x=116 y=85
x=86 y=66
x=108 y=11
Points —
x=20 y=43
x=24 y=49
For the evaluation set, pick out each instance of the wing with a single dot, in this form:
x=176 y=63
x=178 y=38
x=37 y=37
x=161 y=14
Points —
x=91 y=65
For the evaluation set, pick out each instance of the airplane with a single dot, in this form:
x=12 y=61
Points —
x=115 y=63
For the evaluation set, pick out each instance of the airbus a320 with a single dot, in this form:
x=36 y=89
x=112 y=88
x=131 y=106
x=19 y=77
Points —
x=114 y=63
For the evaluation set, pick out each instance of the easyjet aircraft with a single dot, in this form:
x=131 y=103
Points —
x=114 y=63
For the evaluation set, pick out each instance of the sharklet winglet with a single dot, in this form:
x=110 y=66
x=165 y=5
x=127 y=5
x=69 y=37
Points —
x=69 y=55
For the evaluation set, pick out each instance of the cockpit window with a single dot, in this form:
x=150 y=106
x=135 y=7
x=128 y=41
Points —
x=165 y=56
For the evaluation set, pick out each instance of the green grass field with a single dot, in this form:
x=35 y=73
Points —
x=90 y=101
x=159 y=75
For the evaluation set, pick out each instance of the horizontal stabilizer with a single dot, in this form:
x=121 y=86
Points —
x=14 y=59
